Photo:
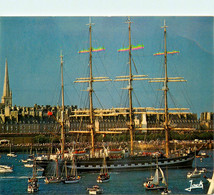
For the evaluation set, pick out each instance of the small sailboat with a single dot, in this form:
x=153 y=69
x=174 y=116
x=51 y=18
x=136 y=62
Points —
x=151 y=179
x=33 y=185
x=195 y=173
x=28 y=165
x=52 y=180
x=195 y=186
x=11 y=154
x=203 y=170
x=29 y=160
x=155 y=184
x=56 y=178
x=103 y=176
x=73 y=178
x=5 y=169
x=95 y=190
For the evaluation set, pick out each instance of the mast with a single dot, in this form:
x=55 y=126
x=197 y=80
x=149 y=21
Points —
x=130 y=78
x=66 y=171
x=57 y=169
x=62 y=114
x=90 y=81
x=130 y=88
x=165 y=89
x=91 y=91
x=34 y=167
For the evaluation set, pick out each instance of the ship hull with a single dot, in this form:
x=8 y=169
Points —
x=125 y=164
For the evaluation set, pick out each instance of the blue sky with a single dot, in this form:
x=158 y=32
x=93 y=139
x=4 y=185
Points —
x=32 y=46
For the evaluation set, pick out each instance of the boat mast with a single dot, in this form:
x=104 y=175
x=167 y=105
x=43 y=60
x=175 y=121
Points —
x=57 y=169
x=165 y=80
x=90 y=81
x=34 y=167
x=62 y=114
x=130 y=78
x=165 y=89
x=91 y=91
x=130 y=88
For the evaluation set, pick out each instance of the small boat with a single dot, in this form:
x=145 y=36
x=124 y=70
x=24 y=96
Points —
x=155 y=184
x=73 y=178
x=28 y=165
x=52 y=180
x=195 y=186
x=42 y=157
x=202 y=155
x=40 y=169
x=203 y=170
x=33 y=185
x=55 y=178
x=24 y=161
x=166 y=191
x=5 y=169
x=150 y=179
x=103 y=176
x=95 y=190
x=12 y=154
x=194 y=174
x=29 y=160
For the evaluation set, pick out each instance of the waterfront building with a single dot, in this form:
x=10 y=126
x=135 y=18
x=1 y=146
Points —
x=114 y=118
x=207 y=120
x=35 y=119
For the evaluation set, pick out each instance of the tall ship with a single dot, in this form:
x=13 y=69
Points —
x=121 y=159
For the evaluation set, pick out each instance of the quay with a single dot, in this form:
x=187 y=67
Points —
x=138 y=146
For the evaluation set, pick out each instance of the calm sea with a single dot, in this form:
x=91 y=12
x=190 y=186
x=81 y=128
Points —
x=120 y=183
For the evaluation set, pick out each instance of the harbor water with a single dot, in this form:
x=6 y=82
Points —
x=128 y=182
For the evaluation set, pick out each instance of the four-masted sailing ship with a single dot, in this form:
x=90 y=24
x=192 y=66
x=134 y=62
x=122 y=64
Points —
x=125 y=162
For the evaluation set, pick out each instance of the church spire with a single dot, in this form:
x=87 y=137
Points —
x=7 y=93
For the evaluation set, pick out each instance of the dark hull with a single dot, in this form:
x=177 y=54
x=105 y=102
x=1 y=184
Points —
x=156 y=188
x=125 y=164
